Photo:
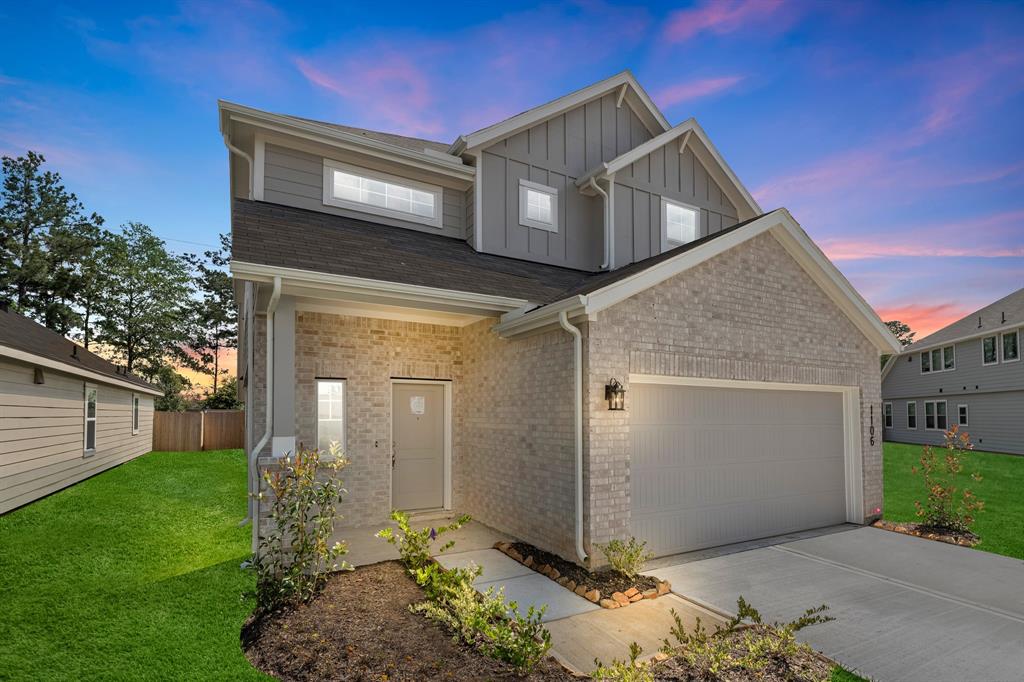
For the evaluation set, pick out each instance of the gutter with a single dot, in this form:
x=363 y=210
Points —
x=275 y=296
x=577 y=338
x=244 y=155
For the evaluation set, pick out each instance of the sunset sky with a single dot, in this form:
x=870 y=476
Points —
x=893 y=132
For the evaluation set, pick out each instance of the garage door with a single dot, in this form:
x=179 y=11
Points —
x=712 y=466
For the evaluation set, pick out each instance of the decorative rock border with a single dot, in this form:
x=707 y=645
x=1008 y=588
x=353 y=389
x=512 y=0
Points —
x=614 y=601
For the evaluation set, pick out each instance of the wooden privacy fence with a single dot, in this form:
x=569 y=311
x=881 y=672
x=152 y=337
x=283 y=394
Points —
x=206 y=430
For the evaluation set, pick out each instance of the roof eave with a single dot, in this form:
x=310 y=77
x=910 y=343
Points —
x=99 y=377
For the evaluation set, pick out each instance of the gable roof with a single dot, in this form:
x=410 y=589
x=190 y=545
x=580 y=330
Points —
x=629 y=90
x=27 y=340
x=1007 y=312
x=405 y=141
x=692 y=135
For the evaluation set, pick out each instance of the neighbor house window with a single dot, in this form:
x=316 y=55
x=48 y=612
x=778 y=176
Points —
x=371 y=191
x=938 y=360
x=90 y=419
x=1011 y=351
x=330 y=413
x=538 y=206
x=680 y=223
x=135 y=414
x=887 y=415
x=935 y=415
x=989 y=351
x=961 y=417
x=911 y=415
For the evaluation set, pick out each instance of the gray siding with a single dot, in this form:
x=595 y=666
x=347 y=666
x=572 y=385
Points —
x=294 y=177
x=42 y=432
x=556 y=153
x=638 y=193
x=469 y=199
x=995 y=421
x=970 y=376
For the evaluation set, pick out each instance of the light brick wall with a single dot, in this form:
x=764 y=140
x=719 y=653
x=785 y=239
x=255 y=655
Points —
x=751 y=313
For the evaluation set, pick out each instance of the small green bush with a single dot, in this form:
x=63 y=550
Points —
x=625 y=671
x=294 y=557
x=626 y=557
x=414 y=545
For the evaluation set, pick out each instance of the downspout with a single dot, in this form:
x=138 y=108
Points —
x=244 y=155
x=254 y=481
x=577 y=338
x=597 y=188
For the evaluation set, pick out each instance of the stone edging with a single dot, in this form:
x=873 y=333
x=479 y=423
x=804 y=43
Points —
x=614 y=601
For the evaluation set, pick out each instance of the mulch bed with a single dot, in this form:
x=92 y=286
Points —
x=606 y=581
x=360 y=628
x=929 y=532
x=804 y=667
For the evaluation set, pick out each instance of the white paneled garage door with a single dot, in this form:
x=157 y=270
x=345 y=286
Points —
x=712 y=466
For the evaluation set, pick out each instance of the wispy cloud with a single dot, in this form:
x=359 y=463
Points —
x=695 y=89
x=722 y=17
x=925 y=319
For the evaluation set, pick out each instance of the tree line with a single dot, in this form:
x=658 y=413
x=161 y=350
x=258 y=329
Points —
x=120 y=293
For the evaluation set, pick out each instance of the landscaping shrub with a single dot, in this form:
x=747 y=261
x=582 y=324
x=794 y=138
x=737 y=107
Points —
x=626 y=557
x=625 y=671
x=294 y=558
x=944 y=508
x=414 y=545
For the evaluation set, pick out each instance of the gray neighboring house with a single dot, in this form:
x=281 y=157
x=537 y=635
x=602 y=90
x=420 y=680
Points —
x=575 y=325
x=968 y=373
x=65 y=413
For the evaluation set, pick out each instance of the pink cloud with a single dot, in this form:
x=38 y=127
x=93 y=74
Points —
x=690 y=90
x=725 y=16
x=924 y=319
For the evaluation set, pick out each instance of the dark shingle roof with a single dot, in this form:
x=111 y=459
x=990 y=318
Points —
x=414 y=143
x=280 y=236
x=21 y=333
x=992 y=317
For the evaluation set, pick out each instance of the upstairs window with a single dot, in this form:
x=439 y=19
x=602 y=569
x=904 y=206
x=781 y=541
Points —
x=938 y=360
x=680 y=223
x=370 y=191
x=90 y=420
x=1011 y=351
x=538 y=206
x=989 y=351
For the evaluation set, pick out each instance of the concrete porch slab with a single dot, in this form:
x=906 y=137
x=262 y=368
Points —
x=365 y=548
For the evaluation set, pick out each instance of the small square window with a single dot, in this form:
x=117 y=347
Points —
x=680 y=224
x=989 y=351
x=887 y=412
x=961 y=415
x=538 y=206
x=1011 y=353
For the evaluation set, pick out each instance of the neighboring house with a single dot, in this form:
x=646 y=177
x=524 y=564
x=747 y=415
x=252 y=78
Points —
x=65 y=413
x=968 y=373
x=461 y=317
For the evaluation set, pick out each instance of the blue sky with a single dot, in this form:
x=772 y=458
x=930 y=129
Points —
x=893 y=132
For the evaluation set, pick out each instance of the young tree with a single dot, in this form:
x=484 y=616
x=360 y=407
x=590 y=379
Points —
x=45 y=237
x=213 y=315
x=143 y=308
x=902 y=332
x=225 y=397
x=175 y=388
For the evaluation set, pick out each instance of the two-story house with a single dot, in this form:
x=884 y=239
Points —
x=968 y=373
x=575 y=325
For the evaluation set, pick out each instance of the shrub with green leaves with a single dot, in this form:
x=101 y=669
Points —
x=944 y=478
x=295 y=556
x=626 y=557
x=414 y=545
x=625 y=671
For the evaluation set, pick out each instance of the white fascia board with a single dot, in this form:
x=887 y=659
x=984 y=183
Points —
x=338 y=138
x=380 y=288
x=719 y=161
x=522 y=321
x=532 y=117
x=23 y=356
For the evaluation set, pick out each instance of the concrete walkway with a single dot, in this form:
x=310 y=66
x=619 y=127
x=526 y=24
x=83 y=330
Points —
x=365 y=548
x=906 y=608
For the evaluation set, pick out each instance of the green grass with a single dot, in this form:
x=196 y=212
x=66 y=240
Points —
x=844 y=675
x=999 y=524
x=131 y=574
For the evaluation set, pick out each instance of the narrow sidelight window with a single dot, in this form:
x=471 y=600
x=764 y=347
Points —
x=330 y=413
x=887 y=412
x=135 y=414
x=911 y=415
x=940 y=415
x=989 y=351
x=90 y=419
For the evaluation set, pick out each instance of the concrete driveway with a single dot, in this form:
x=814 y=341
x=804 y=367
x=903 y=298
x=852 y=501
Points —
x=905 y=608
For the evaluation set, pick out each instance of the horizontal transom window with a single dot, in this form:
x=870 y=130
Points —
x=375 y=192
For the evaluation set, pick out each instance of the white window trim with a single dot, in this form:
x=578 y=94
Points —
x=935 y=414
x=1001 y=346
x=136 y=416
x=331 y=165
x=86 y=450
x=995 y=341
x=942 y=359
x=344 y=410
x=525 y=185
x=914 y=403
x=887 y=415
x=967 y=415
x=667 y=243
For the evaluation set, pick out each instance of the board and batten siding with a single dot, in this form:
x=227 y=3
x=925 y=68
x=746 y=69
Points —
x=295 y=177
x=556 y=153
x=42 y=431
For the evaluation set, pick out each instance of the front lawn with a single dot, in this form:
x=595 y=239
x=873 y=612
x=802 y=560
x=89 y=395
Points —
x=132 y=574
x=999 y=524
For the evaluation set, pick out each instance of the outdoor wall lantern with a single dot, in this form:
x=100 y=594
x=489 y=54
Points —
x=615 y=394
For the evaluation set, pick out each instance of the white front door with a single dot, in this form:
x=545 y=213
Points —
x=418 y=442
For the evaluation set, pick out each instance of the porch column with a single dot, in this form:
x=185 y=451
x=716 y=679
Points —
x=284 y=378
